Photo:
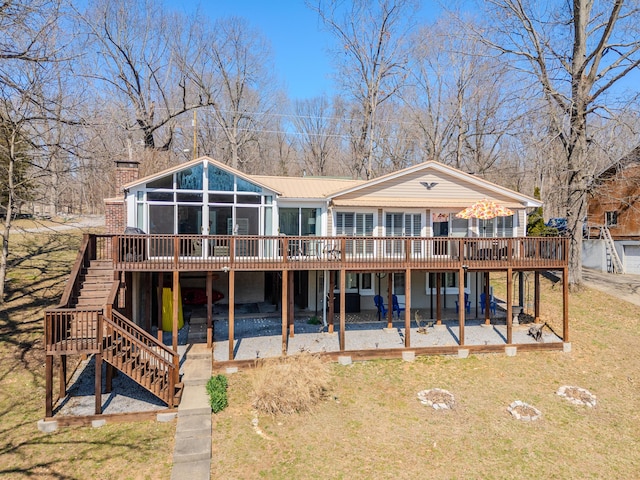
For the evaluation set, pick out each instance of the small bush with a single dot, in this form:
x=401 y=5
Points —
x=217 y=390
x=290 y=384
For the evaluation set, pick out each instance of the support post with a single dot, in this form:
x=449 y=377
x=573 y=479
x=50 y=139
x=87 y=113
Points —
x=389 y=301
x=343 y=306
x=63 y=376
x=407 y=308
x=462 y=307
x=509 y=306
x=487 y=299
x=48 y=376
x=232 y=311
x=291 y=318
x=108 y=381
x=174 y=313
x=438 y=299
x=332 y=287
x=160 y=295
x=565 y=304
x=98 y=383
x=536 y=297
x=285 y=309
x=210 y=310
x=148 y=300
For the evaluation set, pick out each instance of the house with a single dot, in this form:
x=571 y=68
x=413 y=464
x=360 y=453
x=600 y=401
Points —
x=613 y=218
x=292 y=243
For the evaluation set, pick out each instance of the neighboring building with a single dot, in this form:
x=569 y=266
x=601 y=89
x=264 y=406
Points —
x=614 y=211
x=290 y=243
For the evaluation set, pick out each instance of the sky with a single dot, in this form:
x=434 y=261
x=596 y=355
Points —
x=298 y=39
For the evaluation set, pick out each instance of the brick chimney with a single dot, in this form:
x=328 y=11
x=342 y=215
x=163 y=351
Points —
x=127 y=171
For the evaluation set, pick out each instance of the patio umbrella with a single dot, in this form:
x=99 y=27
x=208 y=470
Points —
x=484 y=210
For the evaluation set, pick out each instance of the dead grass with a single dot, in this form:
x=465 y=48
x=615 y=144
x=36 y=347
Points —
x=289 y=385
x=374 y=426
x=40 y=265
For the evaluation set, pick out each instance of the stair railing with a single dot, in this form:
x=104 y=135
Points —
x=153 y=358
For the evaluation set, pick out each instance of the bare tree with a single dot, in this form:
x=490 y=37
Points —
x=462 y=100
x=317 y=124
x=29 y=103
x=238 y=81
x=138 y=51
x=578 y=51
x=371 y=60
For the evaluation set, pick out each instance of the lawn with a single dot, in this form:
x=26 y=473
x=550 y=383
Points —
x=370 y=426
x=373 y=426
x=141 y=450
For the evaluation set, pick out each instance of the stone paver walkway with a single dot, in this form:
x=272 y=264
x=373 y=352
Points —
x=192 y=451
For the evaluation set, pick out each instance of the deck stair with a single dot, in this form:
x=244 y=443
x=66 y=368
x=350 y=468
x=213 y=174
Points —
x=90 y=324
x=141 y=357
x=96 y=281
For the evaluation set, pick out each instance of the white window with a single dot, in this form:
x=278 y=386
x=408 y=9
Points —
x=449 y=283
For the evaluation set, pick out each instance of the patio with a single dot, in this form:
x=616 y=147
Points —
x=260 y=335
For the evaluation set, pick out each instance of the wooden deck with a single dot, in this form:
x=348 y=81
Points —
x=159 y=253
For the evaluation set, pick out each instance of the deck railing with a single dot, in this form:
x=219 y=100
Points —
x=212 y=252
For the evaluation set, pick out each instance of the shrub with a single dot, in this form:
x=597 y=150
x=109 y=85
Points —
x=290 y=384
x=217 y=390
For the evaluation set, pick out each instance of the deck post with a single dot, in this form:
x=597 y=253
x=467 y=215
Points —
x=343 y=306
x=332 y=287
x=565 y=304
x=462 y=307
x=48 y=377
x=438 y=299
x=509 y=306
x=389 y=301
x=174 y=313
x=487 y=299
x=407 y=308
x=148 y=299
x=291 y=317
x=536 y=296
x=160 y=294
x=285 y=309
x=108 y=381
x=209 y=310
x=232 y=310
x=98 y=383
x=63 y=376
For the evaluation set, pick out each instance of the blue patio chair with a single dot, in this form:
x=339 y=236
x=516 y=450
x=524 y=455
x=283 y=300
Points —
x=382 y=310
x=467 y=304
x=492 y=303
x=396 y=306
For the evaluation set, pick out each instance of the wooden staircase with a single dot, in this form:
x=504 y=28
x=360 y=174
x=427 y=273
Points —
x=95 y=281
x=142 y=357
x=87 y=322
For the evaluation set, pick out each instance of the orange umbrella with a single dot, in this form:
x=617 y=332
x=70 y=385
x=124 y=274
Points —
x=484 y=210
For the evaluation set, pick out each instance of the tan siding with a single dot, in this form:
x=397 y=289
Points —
x=408 y=190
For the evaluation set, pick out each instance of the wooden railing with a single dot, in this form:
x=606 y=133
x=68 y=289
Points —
x=141 y=356
x=202 y=252
x=72 y=331
x=93 y=247
x=122 y=343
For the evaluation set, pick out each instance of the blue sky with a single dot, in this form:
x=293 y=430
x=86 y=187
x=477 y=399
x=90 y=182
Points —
x=296 y=35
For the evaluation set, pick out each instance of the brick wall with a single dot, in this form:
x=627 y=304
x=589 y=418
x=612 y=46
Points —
x=114 y=208
x=125 y=175
x=114 y=215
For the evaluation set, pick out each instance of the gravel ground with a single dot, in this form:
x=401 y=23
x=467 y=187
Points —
x=126 y=396
x=262 y=337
